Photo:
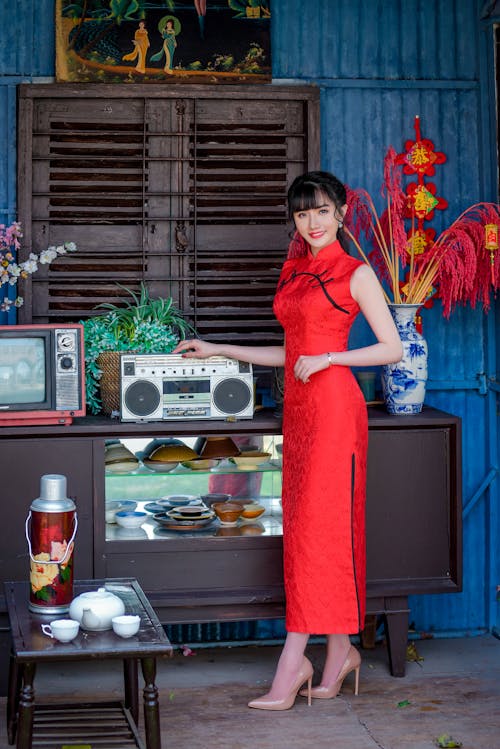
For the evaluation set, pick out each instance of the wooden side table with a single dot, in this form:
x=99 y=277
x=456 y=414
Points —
x=33 y=725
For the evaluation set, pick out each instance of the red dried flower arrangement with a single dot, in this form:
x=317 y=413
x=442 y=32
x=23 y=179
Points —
x=461 y=266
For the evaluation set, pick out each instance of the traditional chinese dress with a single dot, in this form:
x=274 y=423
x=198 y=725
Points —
x=324 y=450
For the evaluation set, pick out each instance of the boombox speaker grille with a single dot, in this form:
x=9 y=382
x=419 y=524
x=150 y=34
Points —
x=231 y=396
x=142 y=398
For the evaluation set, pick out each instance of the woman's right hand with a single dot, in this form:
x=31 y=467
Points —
x=196 y=348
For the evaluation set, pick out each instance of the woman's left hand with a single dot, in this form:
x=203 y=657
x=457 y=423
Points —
x=305 y=366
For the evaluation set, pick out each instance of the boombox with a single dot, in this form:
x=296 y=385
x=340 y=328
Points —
x=162 y=387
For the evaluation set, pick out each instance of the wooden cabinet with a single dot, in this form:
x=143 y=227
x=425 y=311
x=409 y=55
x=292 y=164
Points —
x=413 y=520
x=182 y=187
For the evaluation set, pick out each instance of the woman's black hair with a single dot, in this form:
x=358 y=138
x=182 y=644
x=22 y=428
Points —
x=307 y=190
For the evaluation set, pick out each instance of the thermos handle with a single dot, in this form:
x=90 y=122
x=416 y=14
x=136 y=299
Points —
x=68 y=548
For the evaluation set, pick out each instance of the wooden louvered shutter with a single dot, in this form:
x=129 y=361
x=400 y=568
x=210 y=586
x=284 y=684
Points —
x=183 y=187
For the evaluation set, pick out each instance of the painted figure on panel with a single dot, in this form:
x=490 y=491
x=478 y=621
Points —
x=168 y=27
x=141 y=44
x=223 y=41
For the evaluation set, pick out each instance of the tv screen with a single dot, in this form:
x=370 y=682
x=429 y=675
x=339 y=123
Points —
x=22 y=370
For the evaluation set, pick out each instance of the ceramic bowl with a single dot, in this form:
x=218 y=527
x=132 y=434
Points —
x=175 y=449
x=212 y=498
x=170 y=453
x=215 y=447
x=201 y=464
x=179 y=500
x=252 y=511
x=119 y=459
x=126 y=625
x=130 y=518
x=114 y=505
x=160 y=467
x=249 y=460
x=227 y=512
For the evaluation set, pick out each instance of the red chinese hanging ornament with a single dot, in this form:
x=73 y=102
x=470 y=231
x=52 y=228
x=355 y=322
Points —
x=420 y=158
x=491 y=245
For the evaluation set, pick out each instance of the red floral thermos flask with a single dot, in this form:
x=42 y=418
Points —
x=50 y=531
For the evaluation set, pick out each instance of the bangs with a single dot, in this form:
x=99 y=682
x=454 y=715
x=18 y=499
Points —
x=305 y=198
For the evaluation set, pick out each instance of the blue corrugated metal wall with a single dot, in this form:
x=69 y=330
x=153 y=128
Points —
x=378 y=63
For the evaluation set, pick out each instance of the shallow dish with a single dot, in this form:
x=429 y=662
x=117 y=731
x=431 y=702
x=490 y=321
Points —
x=154 y=507
x=250 y=460
x=130 y=518
x=165 y=521
x=201 y=464
x=177 y=500
x=183 y=518
x=190 y=512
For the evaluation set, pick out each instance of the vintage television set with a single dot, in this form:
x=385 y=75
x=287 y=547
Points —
x=42 y=374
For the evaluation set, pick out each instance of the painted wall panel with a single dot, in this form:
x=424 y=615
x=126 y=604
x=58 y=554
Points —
x=378 y=64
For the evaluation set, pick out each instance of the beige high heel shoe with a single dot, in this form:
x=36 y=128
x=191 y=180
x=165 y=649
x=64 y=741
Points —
x=305 y=674
x=351 y=663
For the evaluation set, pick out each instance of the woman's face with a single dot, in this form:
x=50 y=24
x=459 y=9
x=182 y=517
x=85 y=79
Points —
x=319 y=225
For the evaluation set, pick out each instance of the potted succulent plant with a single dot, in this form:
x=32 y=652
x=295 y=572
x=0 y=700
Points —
x=143 y=324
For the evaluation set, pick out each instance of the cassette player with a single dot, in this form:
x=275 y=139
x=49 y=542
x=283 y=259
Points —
x=164 y=387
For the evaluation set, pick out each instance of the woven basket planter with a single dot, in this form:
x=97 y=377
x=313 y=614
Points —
x=109 y=364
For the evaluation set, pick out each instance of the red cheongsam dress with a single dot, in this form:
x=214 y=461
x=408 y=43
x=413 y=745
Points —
x=325 y=438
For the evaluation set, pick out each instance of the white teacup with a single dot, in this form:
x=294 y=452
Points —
x=63 y=630
x=126 y=625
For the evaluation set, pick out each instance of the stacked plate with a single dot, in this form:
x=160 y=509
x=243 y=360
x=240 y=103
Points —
x=185 y=517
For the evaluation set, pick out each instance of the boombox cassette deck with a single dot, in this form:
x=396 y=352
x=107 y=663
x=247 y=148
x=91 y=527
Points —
x=163 y=387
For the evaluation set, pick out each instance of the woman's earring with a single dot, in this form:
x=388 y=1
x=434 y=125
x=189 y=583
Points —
x=341 y=224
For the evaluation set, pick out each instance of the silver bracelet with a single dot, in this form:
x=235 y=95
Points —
x=330 y=358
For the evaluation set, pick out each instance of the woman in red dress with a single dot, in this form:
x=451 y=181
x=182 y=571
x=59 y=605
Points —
x=320 y=292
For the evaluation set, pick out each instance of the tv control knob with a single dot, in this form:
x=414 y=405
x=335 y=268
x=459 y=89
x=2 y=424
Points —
x=66 y=342
x=66 y=362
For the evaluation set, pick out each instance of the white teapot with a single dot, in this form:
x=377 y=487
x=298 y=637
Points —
x=95 y=609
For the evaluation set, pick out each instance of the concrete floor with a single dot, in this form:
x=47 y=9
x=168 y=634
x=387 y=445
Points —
x=454 y=690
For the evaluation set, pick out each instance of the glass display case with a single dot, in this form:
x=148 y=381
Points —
x=157 y=491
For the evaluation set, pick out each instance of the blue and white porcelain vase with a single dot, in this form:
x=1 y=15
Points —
x=404 y=382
